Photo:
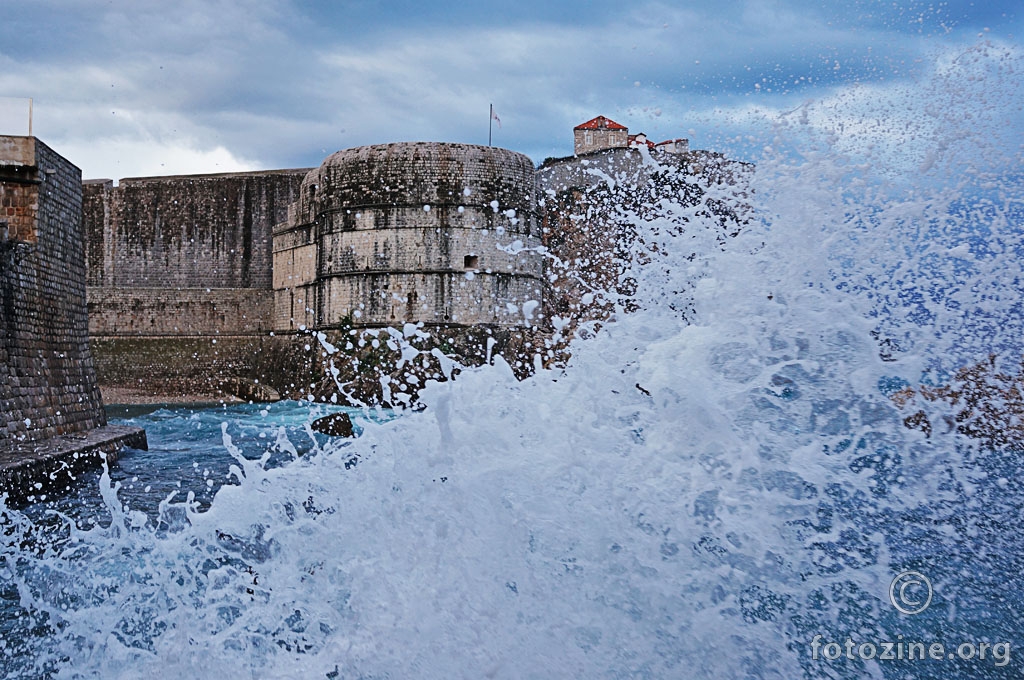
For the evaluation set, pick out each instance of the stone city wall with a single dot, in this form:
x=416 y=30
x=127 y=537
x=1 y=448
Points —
x=47 y=376
x=198 y=231
x=199 y=367
x=177 y=265
x=443 y=298
x=134 y=311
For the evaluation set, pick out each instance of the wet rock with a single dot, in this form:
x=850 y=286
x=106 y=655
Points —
x=250 y=390
x=335 y=425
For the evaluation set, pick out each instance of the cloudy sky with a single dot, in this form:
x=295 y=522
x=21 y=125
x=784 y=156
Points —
x=145 y=87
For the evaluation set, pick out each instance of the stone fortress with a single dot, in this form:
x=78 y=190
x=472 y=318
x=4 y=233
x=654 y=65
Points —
x=199 y=280
x=408 y=233
x=199 y=286
x=194 y=279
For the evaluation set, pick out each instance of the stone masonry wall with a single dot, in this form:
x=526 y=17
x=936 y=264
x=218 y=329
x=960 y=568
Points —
x=179 y=273
x=586 y=141
x=200 y=366
x=199 y=231
x=134 y=312
x=410 y=232
x=47 y=377
x=188 y=255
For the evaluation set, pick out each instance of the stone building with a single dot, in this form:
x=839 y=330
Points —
x=600 y=134
x=410 y=232
x=48 y=383
x=597 y=134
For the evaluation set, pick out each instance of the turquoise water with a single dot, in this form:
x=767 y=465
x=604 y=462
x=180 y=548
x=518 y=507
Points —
x=186 y=446
x=186 y=452
x=186 y=462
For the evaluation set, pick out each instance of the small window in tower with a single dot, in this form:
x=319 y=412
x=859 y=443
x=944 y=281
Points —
x=471 y=262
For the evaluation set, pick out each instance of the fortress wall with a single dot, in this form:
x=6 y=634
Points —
x=179 y=273
x=502 y=219
x=295 y=307
x=389 y=299
x=184 y=311
x=199 y=231
x=180 y=366
x=384 y=177
x=422 y=249
x=47 y=376
x=188 y=255
x=295 y=272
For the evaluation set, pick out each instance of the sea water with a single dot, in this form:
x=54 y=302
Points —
x=728 y=495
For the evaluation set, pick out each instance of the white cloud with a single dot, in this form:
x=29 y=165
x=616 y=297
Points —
x=144 y=158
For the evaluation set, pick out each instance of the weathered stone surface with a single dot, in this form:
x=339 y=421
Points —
x=47 y=378
x=184 y=255
x=174 y=366
x=195 y=280
x=250 y=390
x=410 y=232
x=31 y=470
x=193 y=231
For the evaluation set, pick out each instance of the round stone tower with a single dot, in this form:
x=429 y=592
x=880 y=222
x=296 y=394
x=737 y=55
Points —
x=421 y=231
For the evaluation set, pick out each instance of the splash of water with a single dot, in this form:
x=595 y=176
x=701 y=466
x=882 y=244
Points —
x=691 y=497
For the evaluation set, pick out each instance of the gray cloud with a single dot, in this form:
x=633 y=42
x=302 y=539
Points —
x=148 y=87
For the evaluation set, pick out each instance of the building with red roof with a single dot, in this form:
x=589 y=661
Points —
x=602 y=133
x=599 y=133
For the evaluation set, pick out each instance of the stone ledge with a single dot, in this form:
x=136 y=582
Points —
x=33 y=468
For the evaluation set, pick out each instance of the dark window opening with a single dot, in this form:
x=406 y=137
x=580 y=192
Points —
x=471 y=262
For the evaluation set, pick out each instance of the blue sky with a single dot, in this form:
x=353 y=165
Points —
x=154 y=87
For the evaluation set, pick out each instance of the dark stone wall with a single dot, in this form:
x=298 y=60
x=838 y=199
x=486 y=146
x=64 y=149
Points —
x=179 y=366
x=136 y=311
x=179 y=274
x=188 y=255
x=47 y=377
x=198 y=231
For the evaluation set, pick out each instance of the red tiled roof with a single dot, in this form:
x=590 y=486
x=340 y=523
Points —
x=600 y=123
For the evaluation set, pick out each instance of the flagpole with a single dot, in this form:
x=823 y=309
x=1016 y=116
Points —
x=490 y=124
